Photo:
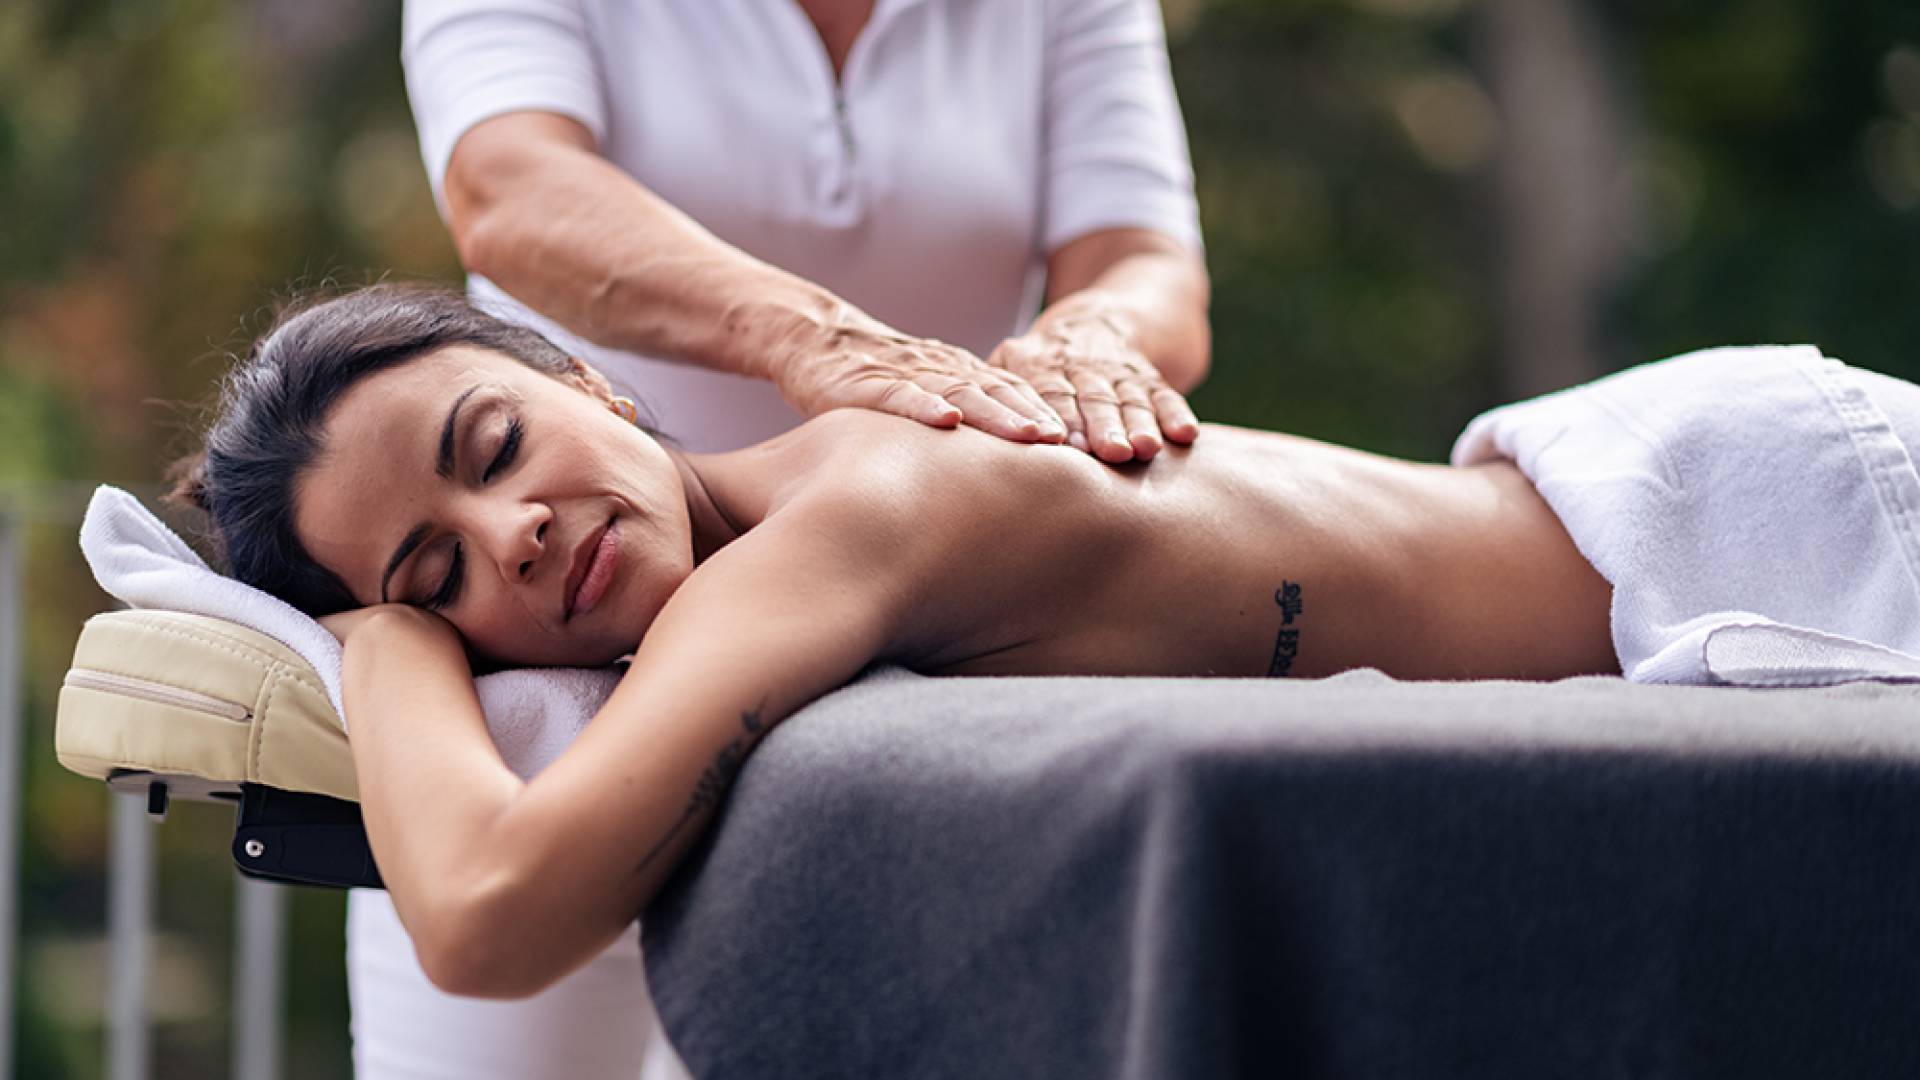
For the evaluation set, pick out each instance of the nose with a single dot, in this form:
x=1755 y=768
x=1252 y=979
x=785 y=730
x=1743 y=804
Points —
x=516 y=538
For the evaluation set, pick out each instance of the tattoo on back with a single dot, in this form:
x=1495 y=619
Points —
x=1287 y=645
x=712 y=784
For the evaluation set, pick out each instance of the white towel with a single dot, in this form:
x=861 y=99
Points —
x=140 y=562
x=533 y=714
x=1755 y=510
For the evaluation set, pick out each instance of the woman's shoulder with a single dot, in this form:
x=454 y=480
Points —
x=860 y=450
x=904 y=487
x=866 y=461
x=876 y=445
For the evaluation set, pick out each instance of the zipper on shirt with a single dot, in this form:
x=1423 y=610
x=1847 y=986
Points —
x=160 y=693
x=847 y=146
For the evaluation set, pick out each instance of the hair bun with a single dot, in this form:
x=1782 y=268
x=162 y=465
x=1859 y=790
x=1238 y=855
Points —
x=189 y=479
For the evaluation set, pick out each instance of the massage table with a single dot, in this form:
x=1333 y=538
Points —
x=170 y=705
x=1346 y=877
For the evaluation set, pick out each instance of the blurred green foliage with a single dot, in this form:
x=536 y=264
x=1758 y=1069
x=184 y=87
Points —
x=1351 y=292
x=169 y=167
x=1774 y=146
x=1794 y=133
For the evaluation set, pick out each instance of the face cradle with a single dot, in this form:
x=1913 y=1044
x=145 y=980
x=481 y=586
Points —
x=500 y=543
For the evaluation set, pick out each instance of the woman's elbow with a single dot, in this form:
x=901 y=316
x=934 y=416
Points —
x=475 y=945
x=464 y=975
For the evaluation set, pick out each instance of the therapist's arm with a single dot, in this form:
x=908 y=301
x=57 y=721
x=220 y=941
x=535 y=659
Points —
x=1156 y=287
x=1123 y=337
x=534 y=208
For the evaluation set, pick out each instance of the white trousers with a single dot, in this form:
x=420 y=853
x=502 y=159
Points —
x=596 y=1024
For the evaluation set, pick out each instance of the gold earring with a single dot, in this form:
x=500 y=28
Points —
x=625 y=409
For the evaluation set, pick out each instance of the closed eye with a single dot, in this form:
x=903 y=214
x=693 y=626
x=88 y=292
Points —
x=509 y=449
x=449 y=589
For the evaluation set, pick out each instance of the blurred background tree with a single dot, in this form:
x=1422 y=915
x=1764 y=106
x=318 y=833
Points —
x=1413 y=209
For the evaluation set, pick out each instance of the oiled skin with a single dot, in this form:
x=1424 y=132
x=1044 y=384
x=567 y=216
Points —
x=1036 y=559
x=853 y=538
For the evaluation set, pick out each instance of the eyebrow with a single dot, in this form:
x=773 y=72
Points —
x=443 y=467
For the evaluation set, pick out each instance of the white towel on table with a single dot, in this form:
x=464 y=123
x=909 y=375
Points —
x=1755 y=509
x=533 y=713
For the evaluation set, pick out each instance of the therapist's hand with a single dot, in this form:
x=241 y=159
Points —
x=1114 y=401
x=860 y=362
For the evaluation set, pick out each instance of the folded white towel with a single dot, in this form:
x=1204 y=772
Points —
x=533 y=714
x=1755 y=509
x=140 y=562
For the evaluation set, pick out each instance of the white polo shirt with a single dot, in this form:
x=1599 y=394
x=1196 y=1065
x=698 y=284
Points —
x=965 y=140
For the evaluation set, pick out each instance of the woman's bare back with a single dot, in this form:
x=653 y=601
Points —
x=854 y=538
x=1248 y=554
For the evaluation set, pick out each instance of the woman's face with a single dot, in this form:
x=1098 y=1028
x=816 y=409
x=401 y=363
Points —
x=543 y=527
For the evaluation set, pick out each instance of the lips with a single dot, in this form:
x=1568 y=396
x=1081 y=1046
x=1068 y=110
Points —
x=589 y=571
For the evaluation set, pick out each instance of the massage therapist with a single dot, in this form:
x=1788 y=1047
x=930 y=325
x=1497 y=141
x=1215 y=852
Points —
x=746 y=212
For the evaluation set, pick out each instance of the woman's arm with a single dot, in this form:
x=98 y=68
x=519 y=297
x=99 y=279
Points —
x=534 y=207
x=506 y=886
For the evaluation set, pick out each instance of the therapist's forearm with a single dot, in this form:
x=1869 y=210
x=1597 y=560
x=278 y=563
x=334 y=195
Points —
x=1152 y=288
x=569 y=234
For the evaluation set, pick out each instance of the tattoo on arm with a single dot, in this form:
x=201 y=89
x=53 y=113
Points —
x=1287 y=645
x=713 y=782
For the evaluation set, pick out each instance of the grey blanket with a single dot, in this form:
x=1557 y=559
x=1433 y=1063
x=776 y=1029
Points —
x=1353 y=877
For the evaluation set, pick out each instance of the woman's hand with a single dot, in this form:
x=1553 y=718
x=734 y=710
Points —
x=396 y=618
x=1115 y=403
x=852 y=360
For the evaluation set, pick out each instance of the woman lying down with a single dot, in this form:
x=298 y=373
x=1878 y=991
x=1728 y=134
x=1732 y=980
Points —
x=449 y=491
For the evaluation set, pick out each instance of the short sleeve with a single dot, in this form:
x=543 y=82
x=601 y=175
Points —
x=1116 y=147
x=469 y=60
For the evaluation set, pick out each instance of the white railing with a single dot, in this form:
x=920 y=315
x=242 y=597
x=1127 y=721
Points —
x=259 y=909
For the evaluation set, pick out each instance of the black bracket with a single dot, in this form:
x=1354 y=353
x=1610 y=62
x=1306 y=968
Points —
x=297 y=838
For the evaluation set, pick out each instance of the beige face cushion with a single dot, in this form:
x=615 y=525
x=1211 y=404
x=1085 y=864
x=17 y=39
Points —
x=201 y=698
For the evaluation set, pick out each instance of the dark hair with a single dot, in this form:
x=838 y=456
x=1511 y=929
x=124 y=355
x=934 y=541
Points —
x=275 y=401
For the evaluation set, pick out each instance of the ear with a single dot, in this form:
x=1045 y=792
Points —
x=587 y=379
